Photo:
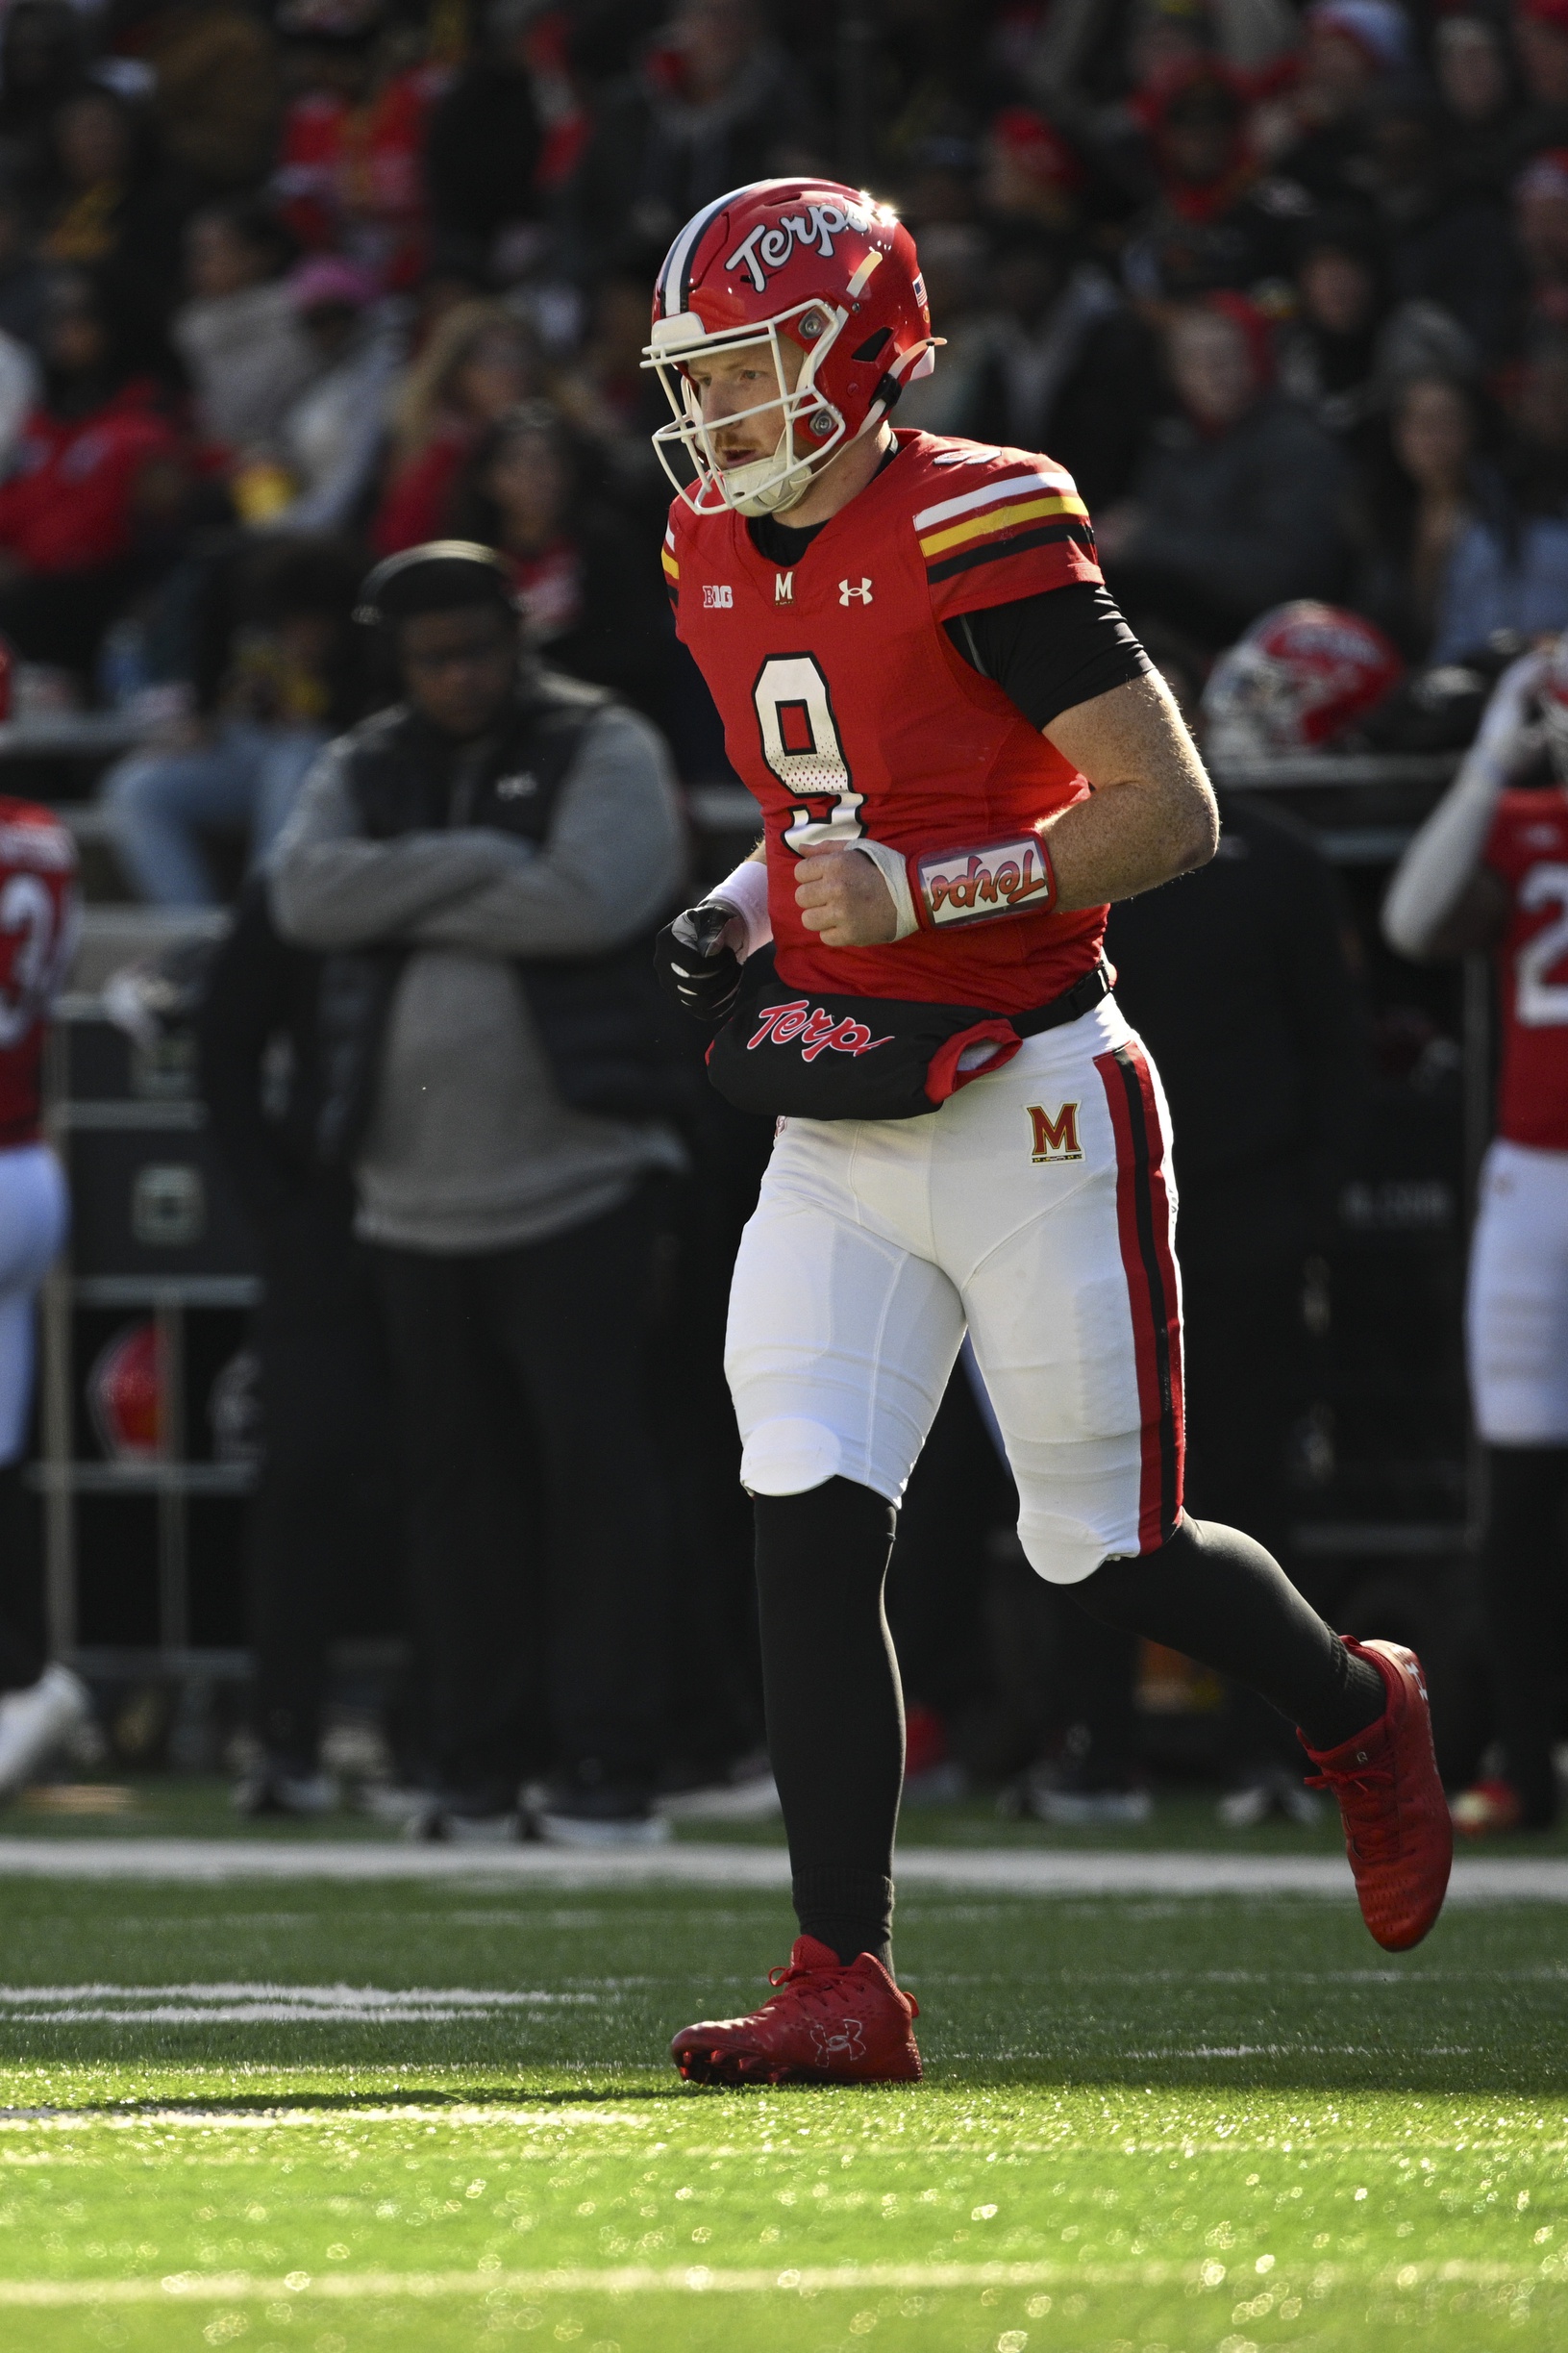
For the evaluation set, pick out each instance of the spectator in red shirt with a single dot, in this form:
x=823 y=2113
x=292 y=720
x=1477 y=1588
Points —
x=350 y=171
x=99 y=460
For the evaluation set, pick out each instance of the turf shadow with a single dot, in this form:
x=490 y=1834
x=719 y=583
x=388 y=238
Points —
x=270 y=2103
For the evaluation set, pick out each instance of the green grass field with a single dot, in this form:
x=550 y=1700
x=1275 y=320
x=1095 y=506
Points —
x=1204 y=2126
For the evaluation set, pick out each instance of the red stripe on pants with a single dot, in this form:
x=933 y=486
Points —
x=1143 y=1217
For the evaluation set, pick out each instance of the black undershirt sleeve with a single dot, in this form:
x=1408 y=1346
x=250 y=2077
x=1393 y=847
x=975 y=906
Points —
x=1045 y=652
x=1050 y=651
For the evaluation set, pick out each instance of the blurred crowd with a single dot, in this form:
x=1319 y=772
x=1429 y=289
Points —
x=1285 y=287
x=286 y=289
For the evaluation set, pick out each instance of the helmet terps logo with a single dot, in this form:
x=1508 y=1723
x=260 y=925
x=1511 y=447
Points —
x=777 y=271
x=763 y=251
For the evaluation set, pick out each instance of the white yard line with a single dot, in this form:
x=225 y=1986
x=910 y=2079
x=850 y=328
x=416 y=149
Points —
x=242 y=2005
x=498 y=2285
x=994 y=1870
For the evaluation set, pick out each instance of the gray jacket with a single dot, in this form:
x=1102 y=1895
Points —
x=469 y=1146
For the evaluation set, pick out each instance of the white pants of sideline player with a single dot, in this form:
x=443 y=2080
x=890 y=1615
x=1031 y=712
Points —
x=34 y=1215
x=1037 y=1207
x=1518 y=1306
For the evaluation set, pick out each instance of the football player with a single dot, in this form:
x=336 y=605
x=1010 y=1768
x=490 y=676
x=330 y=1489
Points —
x=39 y=1705
x=1489 y=870
x=962 y=754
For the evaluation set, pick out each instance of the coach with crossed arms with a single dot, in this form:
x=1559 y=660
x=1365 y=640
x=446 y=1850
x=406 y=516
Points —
x=961 y=754
x=483 y=864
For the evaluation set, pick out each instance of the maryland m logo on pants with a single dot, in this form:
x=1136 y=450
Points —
x=1056 y=1134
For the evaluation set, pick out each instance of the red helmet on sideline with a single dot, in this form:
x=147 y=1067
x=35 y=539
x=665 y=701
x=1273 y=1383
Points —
x=1300 y=676
x=124 y=1395
x=812 y=263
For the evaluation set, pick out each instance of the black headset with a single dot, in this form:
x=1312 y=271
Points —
x=372 y=607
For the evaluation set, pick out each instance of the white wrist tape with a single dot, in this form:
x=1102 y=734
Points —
x=893 y=867
x=746 y=890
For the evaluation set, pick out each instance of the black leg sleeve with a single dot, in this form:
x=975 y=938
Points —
x=1523 y=1569
x=834 y=1709
x=1214 y=1594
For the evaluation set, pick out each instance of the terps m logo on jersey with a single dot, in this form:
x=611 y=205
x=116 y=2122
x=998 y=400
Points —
x=967 y=885
x=784 y=588
x=816 y=1032
x=1055 y=1138
x=766 y=250
x=847 y=590
x=720 y=598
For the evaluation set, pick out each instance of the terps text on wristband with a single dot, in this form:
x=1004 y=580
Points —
x=1002 y=878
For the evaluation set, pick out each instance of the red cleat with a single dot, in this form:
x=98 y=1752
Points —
x=828 y=2024
x=1398 y=1831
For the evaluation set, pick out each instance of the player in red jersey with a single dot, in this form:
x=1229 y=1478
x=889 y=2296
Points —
x=1489 y=870
x=39 y=1704
x=961 y=754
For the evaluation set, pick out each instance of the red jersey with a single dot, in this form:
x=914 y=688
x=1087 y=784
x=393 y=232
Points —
x=38 y=933
x=848 y=713
x=67 y=504
x=1528 y=851
x=355 y=175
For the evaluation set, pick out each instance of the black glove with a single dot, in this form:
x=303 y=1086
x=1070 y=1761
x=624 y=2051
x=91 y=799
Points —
x=694 y=965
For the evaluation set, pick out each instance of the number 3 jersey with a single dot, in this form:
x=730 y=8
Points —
x=1528 y=851
x=849 y=713
x=38 y=932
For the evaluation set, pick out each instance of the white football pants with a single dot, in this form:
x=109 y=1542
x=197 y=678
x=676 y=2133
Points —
x=1036 y=1208
x=1518 y=1304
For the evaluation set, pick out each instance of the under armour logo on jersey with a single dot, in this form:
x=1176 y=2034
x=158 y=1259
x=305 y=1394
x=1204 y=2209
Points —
x=719 y=598
x=515 y=787
x=848 y=589
x=1054 y=1139
x=784 y=588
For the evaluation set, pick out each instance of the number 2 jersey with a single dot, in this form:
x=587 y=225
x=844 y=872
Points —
x=1528 y=851
x=38 y=933
x=848 y=713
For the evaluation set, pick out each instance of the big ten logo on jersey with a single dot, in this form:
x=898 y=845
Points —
x=718 y=596
x=1054 y=1134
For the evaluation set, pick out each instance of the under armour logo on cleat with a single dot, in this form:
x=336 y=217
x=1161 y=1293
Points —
x=843 y=2041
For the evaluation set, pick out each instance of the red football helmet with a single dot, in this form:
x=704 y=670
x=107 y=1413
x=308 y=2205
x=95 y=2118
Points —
x=125 y=1396
x=1300 y=676
x=824 y=278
